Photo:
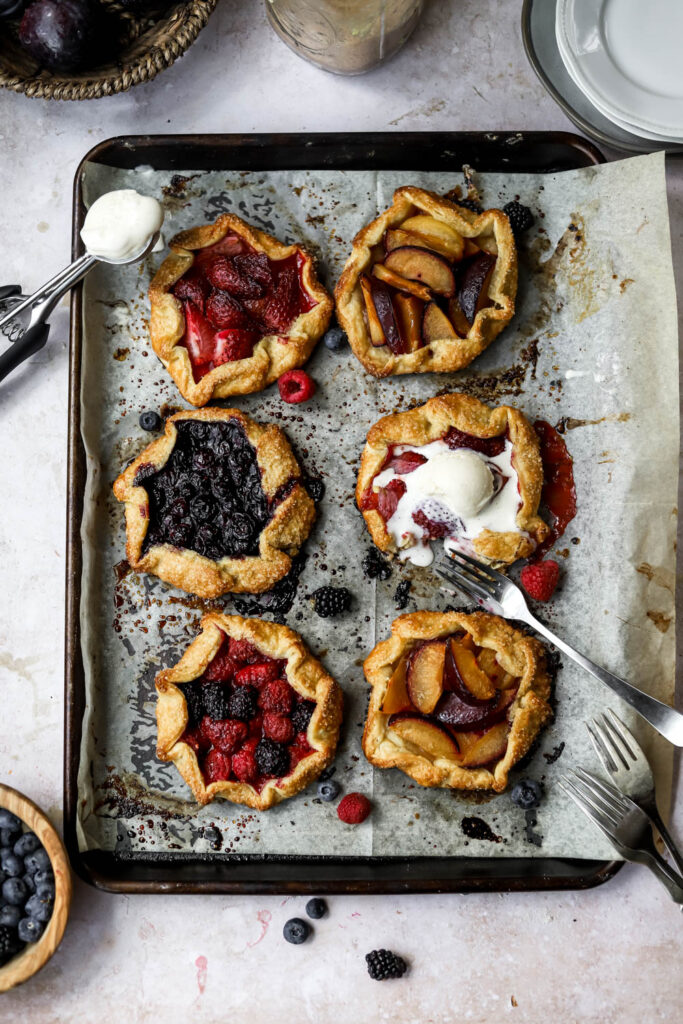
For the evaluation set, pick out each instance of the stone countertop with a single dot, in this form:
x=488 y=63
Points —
x=609 y=954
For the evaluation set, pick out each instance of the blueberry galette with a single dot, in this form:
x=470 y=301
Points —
x=456 y=470
x=232 y=309
x=247 y=713
x=428 y=285
x=216 y=504
x=456 y=699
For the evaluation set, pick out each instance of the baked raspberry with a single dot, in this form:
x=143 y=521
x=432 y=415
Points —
x=278 y=727
x=296 y=386
x=540 y=579
x=242 y=651
x=226 y=735
x=354 y=808
x=244 y=761
x=234 y=343
x=216 y=767
x=277 y=696
x=196 y=739
x=224 y=311
x=257 y=675
x=222 y=668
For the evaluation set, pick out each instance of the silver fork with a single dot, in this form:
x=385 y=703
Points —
x=624 y=823
x=624 y=760
x=490 y=588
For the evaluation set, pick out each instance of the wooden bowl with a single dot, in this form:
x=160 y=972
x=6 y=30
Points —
x=152 y=39
x=34 y=955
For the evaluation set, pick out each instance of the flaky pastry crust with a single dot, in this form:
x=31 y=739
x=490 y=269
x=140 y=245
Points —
x=520 y=655
x=279 y=541
x=431 y=421
x=304 y=673
x=492 y=227
x=273 y=354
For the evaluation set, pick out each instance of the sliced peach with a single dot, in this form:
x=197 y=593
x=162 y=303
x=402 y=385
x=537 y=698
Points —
x=429 y=737
x=424 y=266
x=383 y=272
x=435 y=325
x=409 y=316
x=430 y=227
x=471 y=248
x=425 y=676
x=476 y=681
x=375 y=327
x=396 y=238
x=474 y=284
x=489 y=664
x=396 y=695
x=458 y=318
x=490 y=746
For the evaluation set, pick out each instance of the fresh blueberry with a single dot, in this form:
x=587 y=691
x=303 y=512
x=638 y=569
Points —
x=10 y=916
x=26 y=844
x=335 y=338
x=39 y=860
x=328 y=790
x=296 y=930
x=39 y=907
x=527 y=794
x=3 y=876
x=150 y=420
x=30 y=929
x=9 y=820
x=45 y=883
x=14 y=892
x=9 y=836
x=316 y=908
x=29 y=882
x=12 y=865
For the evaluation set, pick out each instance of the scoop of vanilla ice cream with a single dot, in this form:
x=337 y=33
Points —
x=120 y=224
x=460 y=479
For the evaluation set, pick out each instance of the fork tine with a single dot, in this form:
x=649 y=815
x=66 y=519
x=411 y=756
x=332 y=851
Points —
x=481 y=568
x=623 y=734
x=609 y=793
x=615 y=748
x=464 y=583
x=448 y=564
x=595 y=732
x=581 y=802
x=595 y=800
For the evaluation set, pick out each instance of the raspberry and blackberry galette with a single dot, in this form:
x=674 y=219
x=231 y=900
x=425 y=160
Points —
x=456 y=699
x=232 y=309
x=247 y=713
x=457 y=470
x=216 y=504
x=428 y=285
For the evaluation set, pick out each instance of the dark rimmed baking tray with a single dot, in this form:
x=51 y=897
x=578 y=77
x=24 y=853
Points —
x=532 y=152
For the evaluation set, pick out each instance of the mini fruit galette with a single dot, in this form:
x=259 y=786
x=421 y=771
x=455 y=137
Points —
x=428 y=285
x=216 y=504
x=456 y=699
x=247 y=713
x=233 y=309
x=457 y=470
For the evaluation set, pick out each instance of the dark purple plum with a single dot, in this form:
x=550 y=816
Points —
x=58 y=33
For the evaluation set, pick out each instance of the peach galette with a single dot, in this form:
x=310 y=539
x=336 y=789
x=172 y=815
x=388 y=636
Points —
x=428 y=285
x=216 y=504
x=454 y=469
x=232 y=309
x=456 y=699
x=247 y=713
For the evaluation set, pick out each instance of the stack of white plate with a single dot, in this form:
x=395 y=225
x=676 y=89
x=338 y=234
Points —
x=626 y=57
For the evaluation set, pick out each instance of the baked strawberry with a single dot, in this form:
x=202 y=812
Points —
x=540 y=579
x=486 y=445
x=388 y=498
x=216 y=767
x=234 y=343
x=258 y=674
x=280 y=307
x=192 y=287
x=406 y=462
x=224 y=311
x=354 y=808
x=255 y=265
x=277 y=696
x=224 y=274
x=199 y=335
x=278 y=727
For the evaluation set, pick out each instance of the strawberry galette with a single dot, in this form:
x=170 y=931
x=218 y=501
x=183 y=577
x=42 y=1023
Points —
x=456 y=470
x=232 y=309
x=456 y=699
x=428 y=285
x=247 y=713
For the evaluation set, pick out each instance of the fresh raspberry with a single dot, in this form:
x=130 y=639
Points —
x=222 y=668
x=216 y=767
x=197 y=740
x=242 y=651
x=193 y=288
x=354 y=808
x=244 y=762
x=255 y=265
x=199 y=335
x=233 y=344
x=226 y=735
x=388 y=498
x=278 y=727
x=406 y=462
x=257 y=675
x=277 y=696
x=296 y=386
x=224 y=311
x=540 y=579
x=224 y=274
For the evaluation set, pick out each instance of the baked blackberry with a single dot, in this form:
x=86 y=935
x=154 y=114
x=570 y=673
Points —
x=215 y=701
x=331 y=601
x=271 y=758
x=375 y=567
x=521 y=218
x=242 y=703
x=469 y=204
x=301 y=715
x=383 y=964
x=195 y=702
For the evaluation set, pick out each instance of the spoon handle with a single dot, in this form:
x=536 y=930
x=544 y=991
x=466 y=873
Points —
x=30 y=342
x=44 y=300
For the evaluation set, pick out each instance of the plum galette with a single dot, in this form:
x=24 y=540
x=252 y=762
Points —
x=456 y=699
x=232 y=309
x=453 y=469
x=247 y=713
x=216 y=504
x=428 y=285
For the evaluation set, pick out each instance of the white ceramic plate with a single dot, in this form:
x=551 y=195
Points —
x=625 y=54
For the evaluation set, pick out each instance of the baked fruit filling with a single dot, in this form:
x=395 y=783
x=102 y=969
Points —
x=233 y=296
x=449 y=698
x=245 y=722
x=208 y=496
x=452 y=488
x=426 y=283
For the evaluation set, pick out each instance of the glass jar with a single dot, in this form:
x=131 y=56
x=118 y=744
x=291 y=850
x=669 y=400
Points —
x=344 y=36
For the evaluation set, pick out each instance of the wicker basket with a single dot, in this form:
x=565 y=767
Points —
x=149 y=44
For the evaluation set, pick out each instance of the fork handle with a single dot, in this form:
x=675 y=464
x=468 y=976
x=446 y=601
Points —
x=661 y=870
x=667 y=721
x=667 y=838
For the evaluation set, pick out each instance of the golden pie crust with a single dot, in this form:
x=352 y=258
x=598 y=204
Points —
x=280 y=539
x=304 y=673
x=431 y=421
x=273 y=354
x=492 y=227
x=522 y=656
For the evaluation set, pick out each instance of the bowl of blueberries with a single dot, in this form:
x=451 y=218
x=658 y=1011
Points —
x=35 y=888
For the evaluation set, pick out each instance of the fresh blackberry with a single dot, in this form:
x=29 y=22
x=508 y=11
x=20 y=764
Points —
x=527 y=794
x=242 y=703
x=9 y=943
x=375 y=567
x=271 y=758
x=521 y=218
x=383 y=964
x=402 y=594
x=195 y=703
x=316 y=908
x=469 y=204
x=301 y=715
x=215 y=701
x=331 y=601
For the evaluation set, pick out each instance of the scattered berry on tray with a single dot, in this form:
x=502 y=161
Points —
x=328 y=790
x=521 y=218
x=296 y=386
x=402 y=594
x=383 y=964
x=150 y=420
x=375 y=567
x=316 y=908
x=296 y=930
x=540 y=579
x=331 y=601
x=335 y=338
x=212 y=835
x=354 y=808
x=527 y=794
